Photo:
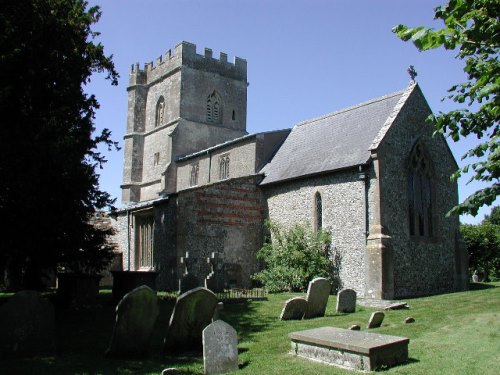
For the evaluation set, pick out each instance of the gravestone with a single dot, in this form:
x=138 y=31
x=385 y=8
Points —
x=350 y=349
x=376 y=319
x=317 y=297
x=188 y=282
x=215 y=279
x=136 y=315
x=355 y=327
x=193 y=311
x=294 y=309
x=346 y=301
x=27 y=325
x=409 y=320
x=475 y=277
x=220 y=348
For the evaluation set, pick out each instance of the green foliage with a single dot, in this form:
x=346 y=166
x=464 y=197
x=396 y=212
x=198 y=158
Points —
x=493 y=217
x=483 y=245
x=49 y=153
x=472 y=27
x=293 y=258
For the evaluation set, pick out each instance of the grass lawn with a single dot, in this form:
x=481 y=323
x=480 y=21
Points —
x=457 y=333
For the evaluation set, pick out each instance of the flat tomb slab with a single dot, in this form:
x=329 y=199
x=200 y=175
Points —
x=350 y=349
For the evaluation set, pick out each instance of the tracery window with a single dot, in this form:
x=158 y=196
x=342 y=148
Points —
x=144 y=239
x=193 y=176
x=420 y=193
x=224 y=167
x=318 y=211
x=160 y=111
x=214 y=108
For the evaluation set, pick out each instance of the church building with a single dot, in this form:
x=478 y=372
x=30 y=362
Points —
x=197 y=187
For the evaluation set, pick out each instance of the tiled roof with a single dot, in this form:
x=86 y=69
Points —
x=334 y=141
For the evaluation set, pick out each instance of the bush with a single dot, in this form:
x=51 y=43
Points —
x=293 y=257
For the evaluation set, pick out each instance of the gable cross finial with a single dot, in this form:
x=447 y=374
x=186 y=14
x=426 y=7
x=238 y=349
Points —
x=412 y=72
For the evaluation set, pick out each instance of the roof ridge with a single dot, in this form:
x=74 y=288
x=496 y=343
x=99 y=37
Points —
x=351 y=108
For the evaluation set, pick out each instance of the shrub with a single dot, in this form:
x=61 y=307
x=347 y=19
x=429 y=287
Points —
x=293 y=257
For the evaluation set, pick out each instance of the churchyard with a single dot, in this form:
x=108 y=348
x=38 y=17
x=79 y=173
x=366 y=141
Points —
x=457 y=333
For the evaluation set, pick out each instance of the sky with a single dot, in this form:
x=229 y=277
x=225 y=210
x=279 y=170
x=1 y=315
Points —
x=305 y=58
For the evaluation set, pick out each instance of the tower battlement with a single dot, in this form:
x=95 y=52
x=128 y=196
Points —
x=184 y=54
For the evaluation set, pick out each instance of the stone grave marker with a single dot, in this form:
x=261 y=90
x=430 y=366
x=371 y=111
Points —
x=346 y=301
x=220 y=348
x=193 y=311
x=27 y=326
x=136 y=315
x=376 y=319
x=215 y=279
x=188 y=281
x=294 y=309
x=317 y=297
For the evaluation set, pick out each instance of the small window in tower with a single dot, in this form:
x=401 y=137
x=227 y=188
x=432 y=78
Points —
x=224 y=167
x=156 y=158
x=214 y=108
x=318 y=211
x=234 y=115
x=193 y=176
x=160 y=112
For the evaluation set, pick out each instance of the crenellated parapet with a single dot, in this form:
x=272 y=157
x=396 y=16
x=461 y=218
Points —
x=185 y=54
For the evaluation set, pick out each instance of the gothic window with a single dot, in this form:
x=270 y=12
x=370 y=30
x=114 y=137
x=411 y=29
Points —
x=193 y=176
x=224 y=167
x=156 y=158
x=318 y=211
x=214 y=108
x=420 y=192
x=160 y=111
x=144 y=236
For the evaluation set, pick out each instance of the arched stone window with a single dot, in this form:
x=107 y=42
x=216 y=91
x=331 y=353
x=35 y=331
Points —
x=318 y=211
x=214 y=108
x=224 y=167
x=160 y=112
x=420 y=193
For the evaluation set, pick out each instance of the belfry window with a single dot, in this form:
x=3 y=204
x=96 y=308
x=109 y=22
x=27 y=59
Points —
x=224 y=167
x=160 y=112
x=214 y=108
x=420 y=193
x=318 y=211
x=144 y=237
x=193 y=174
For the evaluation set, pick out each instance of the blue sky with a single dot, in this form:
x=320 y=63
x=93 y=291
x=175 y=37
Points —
x=305 y=58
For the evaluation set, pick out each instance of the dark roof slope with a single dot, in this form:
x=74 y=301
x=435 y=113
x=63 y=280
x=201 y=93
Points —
x=331 y=142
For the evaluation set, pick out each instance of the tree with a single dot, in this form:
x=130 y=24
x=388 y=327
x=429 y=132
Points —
x=49 y=153
x=472 y=27
x=293 y=258
x=483 y=246
x=493 y=217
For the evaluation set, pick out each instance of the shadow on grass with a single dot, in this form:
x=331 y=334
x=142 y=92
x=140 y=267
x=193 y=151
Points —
x=408 y=362
x=481 y=286
x=245 y=319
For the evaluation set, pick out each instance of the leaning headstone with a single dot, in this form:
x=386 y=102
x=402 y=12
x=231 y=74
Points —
x=376 y=319
x=220 y=348
x=27 y=325
x=136 y=315
x=397 y=306
x=409 y=320
x=317 y=297
x=346 y=301
x=355 y=327
x=193 y=311
x=294 y=309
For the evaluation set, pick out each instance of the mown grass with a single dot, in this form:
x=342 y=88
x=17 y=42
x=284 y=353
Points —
x=456 y=333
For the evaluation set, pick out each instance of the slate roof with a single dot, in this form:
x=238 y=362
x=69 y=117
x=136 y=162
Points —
x=334 y=141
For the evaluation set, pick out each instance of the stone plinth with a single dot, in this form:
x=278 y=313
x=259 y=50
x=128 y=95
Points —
x=350 y=349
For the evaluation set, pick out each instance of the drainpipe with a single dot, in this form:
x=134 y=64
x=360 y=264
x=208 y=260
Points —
x=128 y=240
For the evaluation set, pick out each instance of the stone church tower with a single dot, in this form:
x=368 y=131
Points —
x=184 y=103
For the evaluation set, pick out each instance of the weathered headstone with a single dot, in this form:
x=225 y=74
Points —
x=376 y=319
x=188 y=282
x=409 y=320
x=215 y=279
x=346 y=301
x=193 y=311
x=170 y=371
x=317 y=297
x=475 y=277
x=27 y=325
x=220 y=348
x=136 y=314
x=397 y=306
x=355 y=327
x=294 y=309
